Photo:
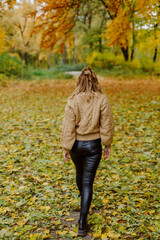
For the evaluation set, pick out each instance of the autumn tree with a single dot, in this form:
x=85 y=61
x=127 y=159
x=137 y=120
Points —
x=18 y=21
x=58 y=18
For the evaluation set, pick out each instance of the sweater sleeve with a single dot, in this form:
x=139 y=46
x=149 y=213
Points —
x=106 y=123
x=68 y=128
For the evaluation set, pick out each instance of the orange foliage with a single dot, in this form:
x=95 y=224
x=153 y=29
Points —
x=56 y=21
x=2 y=42
x=6 y=3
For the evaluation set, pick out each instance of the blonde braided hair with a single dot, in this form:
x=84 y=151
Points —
x=87 y=82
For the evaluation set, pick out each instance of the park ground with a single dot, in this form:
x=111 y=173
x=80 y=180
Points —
x=39 y=197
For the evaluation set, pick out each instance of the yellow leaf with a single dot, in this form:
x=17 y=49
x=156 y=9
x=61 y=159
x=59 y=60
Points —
x=125 y=199
x=61 y=232
x=32 y=200
x=114 y=213
x=22 y=222
x=45 y=233
x=121 y=228
x=4 y=209
x=152 y=211
x=104 y=236
x=70 y=219
x=96 y=234
x=133 y=234
x=116 y=176
x=60 y=212
x=45 y=208
x=33 y=236
x=152 y=228
x=113 y=235
x=105 y=201
x=73 y=234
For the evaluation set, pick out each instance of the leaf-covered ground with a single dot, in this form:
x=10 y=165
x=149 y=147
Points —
x=39 y=197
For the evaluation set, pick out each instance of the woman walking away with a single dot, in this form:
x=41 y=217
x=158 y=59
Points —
x=87 y=123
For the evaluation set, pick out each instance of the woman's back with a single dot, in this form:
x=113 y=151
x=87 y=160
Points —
x=90 y=116
x=87 y=108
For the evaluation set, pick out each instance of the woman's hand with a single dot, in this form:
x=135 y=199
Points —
x=66 y=156
x=106 y=153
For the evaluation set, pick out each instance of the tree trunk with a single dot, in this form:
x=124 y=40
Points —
x=132 y=54
x=100 y=44
x=26 y=58
x=133 y=43
x=155 y=54
x=21 y=55
x=48 y=61
x=125 y=53
x=89 y=21
x=156 y=49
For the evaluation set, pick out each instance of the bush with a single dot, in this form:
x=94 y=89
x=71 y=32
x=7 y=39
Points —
x=103 y=60
x=12 y=66
x=147 y=65
x=157 y=68
x=115 y=65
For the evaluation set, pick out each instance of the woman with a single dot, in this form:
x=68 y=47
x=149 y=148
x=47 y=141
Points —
x=87 y=123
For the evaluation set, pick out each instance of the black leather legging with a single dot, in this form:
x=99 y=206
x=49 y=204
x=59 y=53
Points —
x=86 y=156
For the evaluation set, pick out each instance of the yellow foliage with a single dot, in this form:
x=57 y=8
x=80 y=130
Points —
x=118 y=29
x=122 y=13
x=2 y=40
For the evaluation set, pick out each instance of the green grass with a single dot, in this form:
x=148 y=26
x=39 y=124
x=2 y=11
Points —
x=120 y=72
x=42 y=74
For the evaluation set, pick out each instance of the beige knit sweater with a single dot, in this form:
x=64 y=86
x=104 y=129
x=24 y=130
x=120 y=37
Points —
x=88 y=116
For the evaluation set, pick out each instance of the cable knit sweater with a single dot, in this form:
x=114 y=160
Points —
x=88 y=116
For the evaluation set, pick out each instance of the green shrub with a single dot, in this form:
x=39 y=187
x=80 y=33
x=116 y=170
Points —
x=11 y=66
x=103 y=60
x=147 y=65
x=157 y=68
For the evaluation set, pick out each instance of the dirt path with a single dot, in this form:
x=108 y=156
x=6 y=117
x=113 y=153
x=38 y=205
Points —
x=74 y=216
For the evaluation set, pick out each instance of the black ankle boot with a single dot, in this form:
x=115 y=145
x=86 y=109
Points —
x=83 y=226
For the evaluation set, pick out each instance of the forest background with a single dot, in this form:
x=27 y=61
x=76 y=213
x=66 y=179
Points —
x=114 y=37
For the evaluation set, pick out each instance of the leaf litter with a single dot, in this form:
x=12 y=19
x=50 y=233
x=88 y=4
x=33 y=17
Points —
x=39 y=197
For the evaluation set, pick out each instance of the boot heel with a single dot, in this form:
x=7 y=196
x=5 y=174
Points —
x=82 y=233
